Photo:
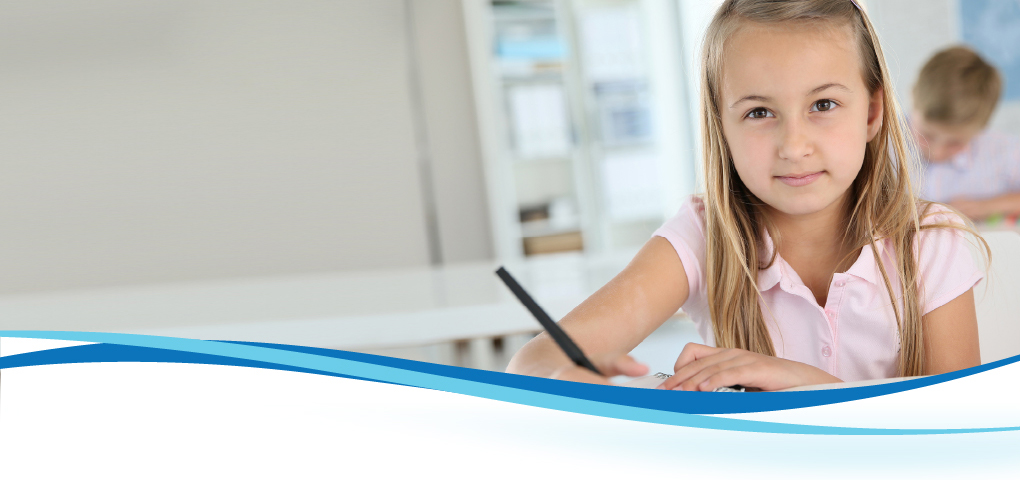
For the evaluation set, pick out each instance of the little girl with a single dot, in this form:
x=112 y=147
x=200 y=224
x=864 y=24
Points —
x=808 y=259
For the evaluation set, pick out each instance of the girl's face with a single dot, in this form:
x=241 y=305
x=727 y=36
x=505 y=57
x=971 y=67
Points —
x=796 y=114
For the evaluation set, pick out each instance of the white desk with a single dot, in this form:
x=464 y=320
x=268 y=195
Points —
x=351 y=310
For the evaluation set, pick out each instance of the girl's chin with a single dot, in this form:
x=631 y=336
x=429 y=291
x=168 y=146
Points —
x=801 y=206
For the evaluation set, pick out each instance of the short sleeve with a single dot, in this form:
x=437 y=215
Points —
x=944 y=262
x=686 y=232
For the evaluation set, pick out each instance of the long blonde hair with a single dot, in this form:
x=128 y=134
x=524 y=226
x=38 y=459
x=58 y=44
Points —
x=882 y=203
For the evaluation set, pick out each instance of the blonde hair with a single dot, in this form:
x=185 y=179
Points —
x=881 y=201
x=957 y=87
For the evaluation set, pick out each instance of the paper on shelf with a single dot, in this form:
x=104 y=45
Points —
x=538 y=115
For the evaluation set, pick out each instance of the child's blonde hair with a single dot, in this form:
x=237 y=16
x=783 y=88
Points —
x=957 y=87
x=881 y=201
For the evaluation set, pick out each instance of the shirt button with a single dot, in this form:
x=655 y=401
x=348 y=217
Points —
x=841 y=283
x=831 y=314
x=826 y=351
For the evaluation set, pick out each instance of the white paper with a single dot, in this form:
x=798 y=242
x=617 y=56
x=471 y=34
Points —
x=650 y=381
x=539 y=119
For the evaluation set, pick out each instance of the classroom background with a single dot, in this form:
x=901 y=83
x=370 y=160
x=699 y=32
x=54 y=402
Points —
x=349 y=173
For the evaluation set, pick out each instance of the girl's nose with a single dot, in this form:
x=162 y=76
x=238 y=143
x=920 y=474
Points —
x=794 y=143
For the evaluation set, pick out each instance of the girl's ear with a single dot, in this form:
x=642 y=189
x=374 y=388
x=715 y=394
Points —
x=875 y=108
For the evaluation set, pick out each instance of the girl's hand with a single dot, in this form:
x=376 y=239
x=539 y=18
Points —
x=610 y=365
x=705 y=368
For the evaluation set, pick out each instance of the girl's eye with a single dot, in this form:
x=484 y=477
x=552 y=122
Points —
x=823 y=105
x=758 y=113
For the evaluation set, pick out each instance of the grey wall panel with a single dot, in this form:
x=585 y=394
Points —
x=145 y=141
x=452 y=131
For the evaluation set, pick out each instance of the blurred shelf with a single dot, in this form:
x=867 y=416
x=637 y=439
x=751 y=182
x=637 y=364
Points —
x=615 y=67
x=511 y=11
x=648 y=218
x=545 y=228
x=540 y=160
x=531 y=79
x=635 y=146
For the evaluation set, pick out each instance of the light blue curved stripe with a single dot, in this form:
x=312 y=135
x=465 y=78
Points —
x=454 y=385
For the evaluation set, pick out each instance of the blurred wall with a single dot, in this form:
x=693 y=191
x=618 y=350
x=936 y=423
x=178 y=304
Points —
x=152 y=141
x=451 y=131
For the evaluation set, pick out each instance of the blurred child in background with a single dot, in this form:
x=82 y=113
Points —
x=975 y=170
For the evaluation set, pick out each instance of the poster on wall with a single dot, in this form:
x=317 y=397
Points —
x=992 y=27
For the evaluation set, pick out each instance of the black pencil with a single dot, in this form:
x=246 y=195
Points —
x=557 y=333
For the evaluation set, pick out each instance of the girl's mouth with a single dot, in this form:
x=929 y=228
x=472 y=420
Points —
x=800 y=180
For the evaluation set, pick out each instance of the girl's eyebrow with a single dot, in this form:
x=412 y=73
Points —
x=759 y=98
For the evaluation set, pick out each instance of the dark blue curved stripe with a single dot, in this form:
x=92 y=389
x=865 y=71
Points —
x=111 y=353
x=668 y=401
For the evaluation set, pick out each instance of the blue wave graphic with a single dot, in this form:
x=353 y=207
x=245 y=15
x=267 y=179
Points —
x=655 y=406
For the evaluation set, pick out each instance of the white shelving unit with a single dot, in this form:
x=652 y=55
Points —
x=584 y=119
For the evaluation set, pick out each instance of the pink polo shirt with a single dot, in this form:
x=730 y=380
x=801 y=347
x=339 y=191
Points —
x=854 y=335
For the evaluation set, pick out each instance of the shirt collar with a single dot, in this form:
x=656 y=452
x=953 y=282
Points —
x=864 y=268
x=770 y=276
